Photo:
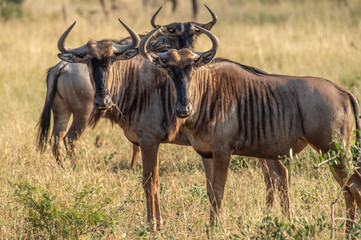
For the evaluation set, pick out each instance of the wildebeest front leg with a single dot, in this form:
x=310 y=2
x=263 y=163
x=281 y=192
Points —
x=276 y=175
x=136 y=150
x=149 y=150
x=221 y=160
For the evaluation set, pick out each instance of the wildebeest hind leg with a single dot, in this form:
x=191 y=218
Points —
x=269 y=183
x=76 y=129
x=276 y=175
x=61 y=119
x=354 y=186
x=351 y=192
x=136 y=150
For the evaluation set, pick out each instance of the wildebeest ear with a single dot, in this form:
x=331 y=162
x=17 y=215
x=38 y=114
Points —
x=208 y=26
x=155 y=59
x=205 y=58
x=71 y=58
x=128 y=54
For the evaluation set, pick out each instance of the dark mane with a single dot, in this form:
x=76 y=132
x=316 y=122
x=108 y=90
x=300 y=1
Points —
x=245 y=67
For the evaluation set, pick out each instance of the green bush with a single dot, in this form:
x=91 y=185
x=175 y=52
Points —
x=11 y=9
x=355 y=230
x=84 y=214
x=276 y=228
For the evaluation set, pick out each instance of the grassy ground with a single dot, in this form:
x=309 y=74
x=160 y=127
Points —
x=319 y=38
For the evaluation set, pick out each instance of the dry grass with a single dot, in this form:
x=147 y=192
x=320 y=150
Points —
x=319 y=38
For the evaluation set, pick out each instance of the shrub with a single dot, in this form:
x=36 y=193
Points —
x=276 y=228
x=46 y=219
x=11 y=9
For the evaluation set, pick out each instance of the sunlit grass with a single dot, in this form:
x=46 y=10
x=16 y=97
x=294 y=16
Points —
x=318 y=38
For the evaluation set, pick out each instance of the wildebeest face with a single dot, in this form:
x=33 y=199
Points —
x=100 y=59
x=182 y=35
x=99 y=56
x=180 y=65
x=99 y=68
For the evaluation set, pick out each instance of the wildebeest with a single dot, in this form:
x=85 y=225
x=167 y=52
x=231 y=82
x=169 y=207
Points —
x=69 y=91
x=229 y=108
x=127 y=93
x=136 y=95
x=182 y=35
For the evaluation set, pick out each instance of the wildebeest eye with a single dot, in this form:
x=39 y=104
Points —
x=161 y=60
x=171 y=30
x=81 y=56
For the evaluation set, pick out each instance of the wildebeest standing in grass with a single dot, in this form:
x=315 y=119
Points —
x=229 y=108
x=69 y=91
x=127 y=93
x=275 y=173
x=137 y=96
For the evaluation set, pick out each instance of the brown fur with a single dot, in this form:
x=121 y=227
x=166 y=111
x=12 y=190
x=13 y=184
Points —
x=244 y=111
x=100 y=49
x=143 y=108
x=69 y=92
x=181 y=58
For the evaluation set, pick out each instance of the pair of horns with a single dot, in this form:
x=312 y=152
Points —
x=135 y=38
x=214 y=18
x=117 y=48
x=148 y=55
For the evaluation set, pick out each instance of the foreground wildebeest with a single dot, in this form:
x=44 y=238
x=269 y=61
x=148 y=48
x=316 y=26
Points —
x=69 y=91
x=135 y=95
x=275 y=173
x=229 y=108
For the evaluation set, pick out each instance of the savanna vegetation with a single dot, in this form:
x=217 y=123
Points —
x=103 y=198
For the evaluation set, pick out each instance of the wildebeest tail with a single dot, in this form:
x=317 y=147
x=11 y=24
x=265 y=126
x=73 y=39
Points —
x=45 y=117
x=356 y=149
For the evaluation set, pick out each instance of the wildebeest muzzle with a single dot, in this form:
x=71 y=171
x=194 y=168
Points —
x=182 y=110
x=102 y=103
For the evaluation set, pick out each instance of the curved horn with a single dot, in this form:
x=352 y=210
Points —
x=214 y=39
x=211 y=23
x=133 y=44
x=62 y=39
x=154 y=16
x=143 y=44
x=214 y=16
